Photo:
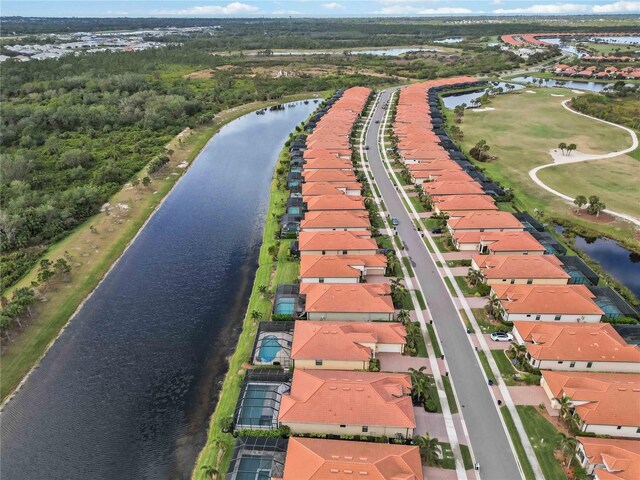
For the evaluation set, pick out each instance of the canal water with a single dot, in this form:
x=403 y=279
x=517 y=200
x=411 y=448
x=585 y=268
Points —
x=126 y=392
x=452 y=101
x=574 y=84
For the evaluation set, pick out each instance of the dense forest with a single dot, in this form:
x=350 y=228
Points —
x=621 y=105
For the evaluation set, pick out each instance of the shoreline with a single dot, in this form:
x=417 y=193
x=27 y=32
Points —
x=126 y=236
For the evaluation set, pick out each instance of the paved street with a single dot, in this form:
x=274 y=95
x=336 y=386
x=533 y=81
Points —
x=488 y=438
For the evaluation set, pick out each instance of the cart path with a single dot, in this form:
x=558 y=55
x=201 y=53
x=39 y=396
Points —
x=585 y=157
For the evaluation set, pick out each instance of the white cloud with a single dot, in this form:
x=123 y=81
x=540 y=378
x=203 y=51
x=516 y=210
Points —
x=573 y=8
x=234 y=8
x=333 y=6
x=286 y=12
x=404 y=9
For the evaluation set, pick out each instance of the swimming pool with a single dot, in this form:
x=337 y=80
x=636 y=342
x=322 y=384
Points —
x=254 y=468
x=259 y=407
x=293 y=211
x=285 y=306
x=269 y=348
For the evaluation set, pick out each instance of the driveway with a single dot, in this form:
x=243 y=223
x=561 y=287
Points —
x=489 y=440
x=395 y=362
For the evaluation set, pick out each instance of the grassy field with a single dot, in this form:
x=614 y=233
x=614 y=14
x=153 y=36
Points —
x=517 y=443
x=614 y=180
x=521 y=131
x=95 y=246
x=219 y=446
x=542 y=435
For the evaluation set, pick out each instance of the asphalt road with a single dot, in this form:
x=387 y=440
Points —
x=488 y=438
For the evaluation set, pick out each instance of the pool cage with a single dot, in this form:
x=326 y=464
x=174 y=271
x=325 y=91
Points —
x=578 y=270
x=612 y=304
x=272 y=345
x=259 y=401
x=287 y=301
x=257 y=458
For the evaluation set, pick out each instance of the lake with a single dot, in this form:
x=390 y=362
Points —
x=452 y=101
x=127 y=390
x=574 y=84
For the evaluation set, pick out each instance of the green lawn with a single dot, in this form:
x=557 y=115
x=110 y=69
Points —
x=440 y=244
x=417 y=204
x=542 y=435
x=485 y=365
x=434 y=341
x=467 y=322
x=451 y=397
x=467 y=290
x=517 y=443
x=432 y=223
x=447 y=461
x=466 y=457
x=421 y=301
x=485 y=325
x=505 y=366
x=407 y=265
x=458 y=263
x=384 y=241
x=422 y=347
x=614 y=180
x=521 y=142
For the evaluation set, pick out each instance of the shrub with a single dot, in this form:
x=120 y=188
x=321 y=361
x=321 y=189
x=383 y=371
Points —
x=483 y=289
x=281 y=317
x=430 y=406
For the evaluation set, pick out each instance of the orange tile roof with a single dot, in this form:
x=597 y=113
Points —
x=329 y=176
x=320 y=459
x=520 y=266
x=348 y=398
x=597 y=342
x=434 y=166
x=322 y=153
x=347 y=298
x=343 y=340
x=447 y=203
x=484 y=219
x=336 y=219
x=452 y=188
x=502 y=241
x=328 y=188
x=547 y=299
x=340 y=201
x=328 y=164
x=621 y=458
x=457 y=176
x=334 y=241
x=609 y=398
x=338 y=266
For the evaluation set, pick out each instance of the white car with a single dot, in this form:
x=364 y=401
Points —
x=501 y=337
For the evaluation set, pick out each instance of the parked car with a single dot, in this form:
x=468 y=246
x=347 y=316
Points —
x=394 y=221
x=501 y=337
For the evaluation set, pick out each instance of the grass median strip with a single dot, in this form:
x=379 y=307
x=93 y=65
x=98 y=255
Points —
x=542 y=435
x=517 y=444
x=434 y=341
x=451 y=397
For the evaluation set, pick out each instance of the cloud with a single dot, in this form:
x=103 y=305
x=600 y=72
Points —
x=286 y=12
x=403 y=9
x=234 y=8
x=573 y=8
x=333 y=6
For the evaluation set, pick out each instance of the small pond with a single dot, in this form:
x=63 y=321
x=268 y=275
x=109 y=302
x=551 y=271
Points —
x=575 y=84
x=450 y=40
x=452 y=101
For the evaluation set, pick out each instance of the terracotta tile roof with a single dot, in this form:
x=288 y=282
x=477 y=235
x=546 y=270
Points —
x=502 y=241
x=520 y=266
x=328 y=164
x=434 y=166
x=483 y=219
x=547 y=299
x=328 y=188
x=334 y=241
x=452 y=188
x=599 y=398
x=348 y=398
x=321 y=153
x=329 y=176
x=320 y=459
x=597 y=342
x=447 y=203
x=456 y=176
x=341 y=201
x=336 y=219
x=621 y=458
x=343 y=340
x=347 y=298
x=338 y=266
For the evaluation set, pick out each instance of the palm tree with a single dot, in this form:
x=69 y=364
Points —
x=413 y=330
x=567 y=446
x=430 y=449
x=494 y=305
x=571 y=147
x=403 y=316
x=256 y=315
x=474 y=277
x=565 y=405
x=263 y=290
x=562 y=146
x=398 y=290
x=210 y=471
x=539 y=214
x=393 y=264
x=518 y=350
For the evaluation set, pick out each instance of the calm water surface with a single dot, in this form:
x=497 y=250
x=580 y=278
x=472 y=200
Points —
x=452 y=101
x=127 y=390
x=575 y=84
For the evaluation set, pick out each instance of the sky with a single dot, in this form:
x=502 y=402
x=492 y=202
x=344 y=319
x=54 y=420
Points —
x=309 y=8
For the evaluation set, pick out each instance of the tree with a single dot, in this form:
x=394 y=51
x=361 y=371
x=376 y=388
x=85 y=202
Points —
x=263 y=290
x=494 y=305
x=596 y=208
x=61 y=267
x=565 y=405
x=45 y=273
x=562 y=146
x=579 y=201
x=419 y=384
x=474 y=277
x=146 y=181
x=567 y=446
x=571 y=147
x=398 y=291
x=393 y=264
x=256 y=315
x=480 y=151
x=403 y=316
x=518 y=349
x=430 y=450
x=539 y=214
x=413 y=335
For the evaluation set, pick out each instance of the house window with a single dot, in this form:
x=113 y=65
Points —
x=572 y=364
x=529 y=281
x=482 y=229
x=538 y=317
x=619 y=427
x=560 y=362
x=526 y=253
x=365 y=429
x=324 y=252
x=557 y=317
x=343 y=426
x=321 y=280
x=513 y=280
x=638 y=430
x=589 y=364
x=319 y=363
x=528 y=315
x=344 y=252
